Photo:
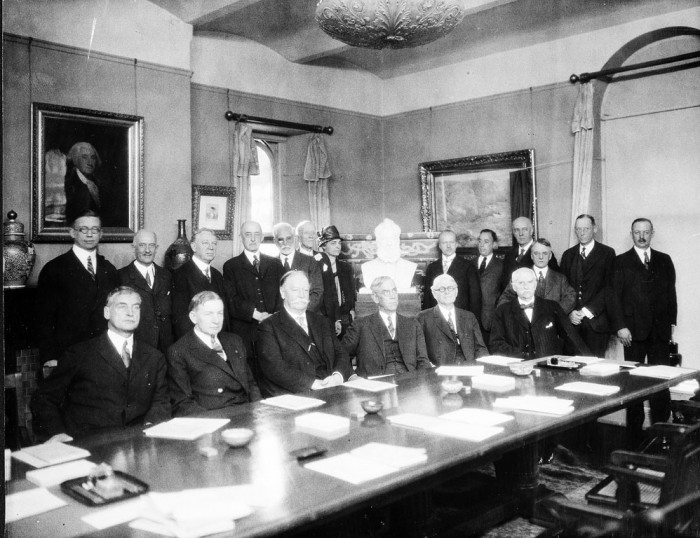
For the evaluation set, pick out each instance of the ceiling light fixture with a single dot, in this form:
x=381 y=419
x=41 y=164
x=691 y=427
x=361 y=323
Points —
x=395 y=24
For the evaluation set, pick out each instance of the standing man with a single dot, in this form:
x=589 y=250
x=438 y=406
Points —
x=339 y=290
x=72 y=291
x=153 y=284
x=386 y=342
x=207 y=368
x=490 y=270
x=589 y=268
x=306 y=238
x=194 y=276
x=293 y=260
x=464 y=273
x=529 y=327
x=644 y=307
x=519 y=255
x=452 y=335
x=297 y=350
x=110 y=382
x=551 y=284
x=255 y=282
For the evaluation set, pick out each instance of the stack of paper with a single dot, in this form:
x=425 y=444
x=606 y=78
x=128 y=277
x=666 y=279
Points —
x=475 y=431
x=50 y=454
x=660 y=371
x=547 y=405
x=293 y=402
x=52 y=476
x=460 y=371
x=496 y=383
x=323 y=425
x=186 y=429
x=600 y=369
x=360 y=383
x=498 y=360
x=582 y=387
x=686 y=388
x=30 y=503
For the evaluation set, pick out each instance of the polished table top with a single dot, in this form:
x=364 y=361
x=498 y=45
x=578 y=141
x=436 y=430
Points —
x=298 y=497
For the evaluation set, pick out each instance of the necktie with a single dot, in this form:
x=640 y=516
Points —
x=216 y=346
x=450 y=322
x=445 y=265
x=91 y=268
x=646 y=260
x=302 y=323
x=526 y=306
x=583 y=253
x=482 y=267
x=286 y=263
x=522 y=253
x=539 y=290
x=256 y=264
x=126 y=357
x=148 y=279
x=207 y=274
x=390 y=326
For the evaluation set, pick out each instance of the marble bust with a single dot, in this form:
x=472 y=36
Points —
x=388 y=261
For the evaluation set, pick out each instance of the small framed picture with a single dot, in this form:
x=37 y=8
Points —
x=212 y=207
x=85 y=160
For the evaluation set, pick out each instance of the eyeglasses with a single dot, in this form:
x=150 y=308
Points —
x=85 y=230
x=446 y=289
x=387 y=293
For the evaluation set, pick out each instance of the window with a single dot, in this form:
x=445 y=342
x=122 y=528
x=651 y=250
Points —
x=264 y=187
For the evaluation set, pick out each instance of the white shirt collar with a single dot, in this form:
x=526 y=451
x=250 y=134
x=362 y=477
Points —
x=250 y=255
x=640 y=252
x=447 y=311
x=385 y=318
x=83 y=254
x=206 y=338
x=537 y=271
x=203 y=266
x=293 y=315
x=521 y=301
x=525 y=247
x=448 y=259
x=118 y=342
x=488 y=258
x=144 y=269
x=589 y=247
x=290 y=257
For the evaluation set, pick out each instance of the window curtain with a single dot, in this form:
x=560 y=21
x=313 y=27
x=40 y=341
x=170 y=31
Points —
x=520 y=194
x=316 y=173
x=582 y=128
x=244 y=163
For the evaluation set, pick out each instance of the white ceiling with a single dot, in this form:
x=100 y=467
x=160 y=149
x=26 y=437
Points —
x=491 y=26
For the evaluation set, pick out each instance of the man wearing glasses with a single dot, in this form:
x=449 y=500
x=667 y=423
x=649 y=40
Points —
x=386 y=342
x=295 y=260
x=72 y=291
x=452 y=335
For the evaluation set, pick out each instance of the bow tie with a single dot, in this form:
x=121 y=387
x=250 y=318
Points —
x=526 y=306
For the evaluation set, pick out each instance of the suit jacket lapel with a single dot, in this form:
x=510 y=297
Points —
x=206 y=354
x=441 y=322
x=377 y=327
x=519 y=314
x=296 y=333
x=111 y=356
x=137 y=279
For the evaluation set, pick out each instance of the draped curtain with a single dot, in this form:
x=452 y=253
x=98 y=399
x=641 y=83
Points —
x=244 y=163
x=316 y=174
x=582 y=128
x=520 y=194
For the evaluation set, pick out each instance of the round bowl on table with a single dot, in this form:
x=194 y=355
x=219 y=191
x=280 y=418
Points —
x=372 y=406
x=518 y=368
x=452 y=386
x=237 y=437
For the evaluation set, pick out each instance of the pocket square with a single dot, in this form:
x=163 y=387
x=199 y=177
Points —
x=551 y=324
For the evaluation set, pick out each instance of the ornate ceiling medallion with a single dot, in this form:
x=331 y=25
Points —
x=395 y=24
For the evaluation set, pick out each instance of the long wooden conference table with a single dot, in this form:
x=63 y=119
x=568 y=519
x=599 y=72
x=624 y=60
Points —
x=299 y=499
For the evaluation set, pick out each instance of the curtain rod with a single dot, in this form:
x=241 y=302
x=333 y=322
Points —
x=585 y=77
x=230 y=116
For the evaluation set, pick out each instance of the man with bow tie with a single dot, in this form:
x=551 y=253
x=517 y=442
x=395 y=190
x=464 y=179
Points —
x=452 y=335
x=529 y=327
x=208 y=368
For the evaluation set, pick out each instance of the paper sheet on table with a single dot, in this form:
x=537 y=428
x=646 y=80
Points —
x=54 y=475
x=186 y=429
x=323 y=425
x=50 y=454
x=412 y=420
x=463 y=371
x=293 y=402
x=480 y=417
x=370 y=385
x=498 y=360
x=30 y=503
x=116 y=514
x=466 y=432
x=661 y=371
x=600 y=369
x=547 y=405
x=686 y=388
x=351 y=468
x=587 y=360
x=168 y=529
x=395 y=456
x=582 y=387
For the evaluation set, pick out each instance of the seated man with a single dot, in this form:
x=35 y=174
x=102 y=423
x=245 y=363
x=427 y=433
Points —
x=452 y=335
x=386 y=342
x=207 y=368
x=297 y=349
x=529 y=327
x=112 y=381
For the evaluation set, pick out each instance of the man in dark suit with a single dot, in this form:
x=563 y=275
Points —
x=297 y=350
x=72 y=291
x=386 y=342
x=293 y=260
x=490 y=270
x=529 y=327
x=644 y=307
x=110 y=382
x=339 y=290
x=194 y=276
x=306 y=238
x=255 y=283
x=154 y=285
x=551 y=284
x=464 y=273
x=588 y=267
x=452 y=335
x=207 y=368
x=519 y=255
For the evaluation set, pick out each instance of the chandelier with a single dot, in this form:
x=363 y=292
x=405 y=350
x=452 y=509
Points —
x=395 y=24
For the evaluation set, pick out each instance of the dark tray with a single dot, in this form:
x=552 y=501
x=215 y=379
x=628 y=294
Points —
x=560 y=364
x=133 y=487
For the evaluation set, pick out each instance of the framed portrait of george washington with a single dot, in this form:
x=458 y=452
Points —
x=86 y=161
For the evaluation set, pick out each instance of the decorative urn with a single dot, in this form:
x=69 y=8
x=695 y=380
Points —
x=180 y=252
x=17 y=254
